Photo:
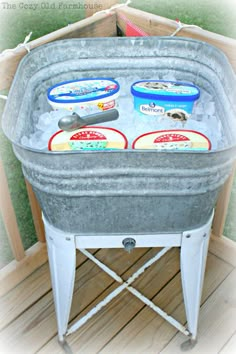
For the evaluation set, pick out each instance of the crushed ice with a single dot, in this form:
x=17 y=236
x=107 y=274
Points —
x=132 y=123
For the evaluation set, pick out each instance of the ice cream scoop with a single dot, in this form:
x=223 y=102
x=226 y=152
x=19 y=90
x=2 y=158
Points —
x=74 y=121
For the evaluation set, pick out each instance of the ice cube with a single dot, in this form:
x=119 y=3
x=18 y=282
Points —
x=43 y=121
x=131 y=122
x=169 y=77
x=25 y=141
x=209 y=107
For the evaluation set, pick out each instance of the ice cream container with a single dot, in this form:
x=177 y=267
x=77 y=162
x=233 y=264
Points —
x=174 y=99
x=84 y=93
x=88 y=138
x=172 y=140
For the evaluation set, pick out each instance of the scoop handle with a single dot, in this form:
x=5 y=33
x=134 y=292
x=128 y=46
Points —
x=74 y=121
x=101 y=117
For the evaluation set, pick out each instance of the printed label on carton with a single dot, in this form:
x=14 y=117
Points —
x=88 y=138
x=151 y=109
x=172 y=140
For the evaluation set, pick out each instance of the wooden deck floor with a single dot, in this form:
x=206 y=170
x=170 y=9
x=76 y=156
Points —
x=27 y=317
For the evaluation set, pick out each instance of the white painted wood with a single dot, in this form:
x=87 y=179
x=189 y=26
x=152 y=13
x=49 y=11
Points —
x=115 y=241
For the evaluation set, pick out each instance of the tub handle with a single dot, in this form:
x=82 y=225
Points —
x=74 y=121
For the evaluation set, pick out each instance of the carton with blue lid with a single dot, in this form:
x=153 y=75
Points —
x=174 y=99
x=100 y=93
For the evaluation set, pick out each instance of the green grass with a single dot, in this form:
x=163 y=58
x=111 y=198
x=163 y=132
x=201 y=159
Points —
x=216 y=16
x=230 y=223
x=19 y=200
x=213 y=15
x=17 y=23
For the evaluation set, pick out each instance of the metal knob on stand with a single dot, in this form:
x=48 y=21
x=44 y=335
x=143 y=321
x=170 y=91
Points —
x=129 y=244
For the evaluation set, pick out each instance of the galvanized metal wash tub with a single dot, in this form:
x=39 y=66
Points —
x=123 y=191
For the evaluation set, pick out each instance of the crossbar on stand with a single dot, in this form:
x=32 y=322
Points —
x=62 y=255
x=126 y=285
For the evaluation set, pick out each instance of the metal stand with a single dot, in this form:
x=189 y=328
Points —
x=62 y=249
x=61 y=256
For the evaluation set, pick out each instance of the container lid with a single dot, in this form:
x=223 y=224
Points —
x=172 y=140
x=165 y=90
x=88 y=138
x=83 y=90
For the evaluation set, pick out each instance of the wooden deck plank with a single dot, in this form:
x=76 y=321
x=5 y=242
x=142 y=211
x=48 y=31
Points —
x=24 y=295
x=92 y=336
x=36 y=213
x=223 y=248
x=108 y=322
x=149 y=333
x=9 y=217
x=37 y=325
x=230 y=346
x=14 y=303
x=124 y=326
x=16 y=272
x=217 y=320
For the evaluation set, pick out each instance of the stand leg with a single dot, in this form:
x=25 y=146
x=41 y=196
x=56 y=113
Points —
x=194 y=248
x=62 y=258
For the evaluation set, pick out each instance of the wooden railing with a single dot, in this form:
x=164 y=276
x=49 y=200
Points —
x=9 y=218
x=26 y=261
x=103 y=24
